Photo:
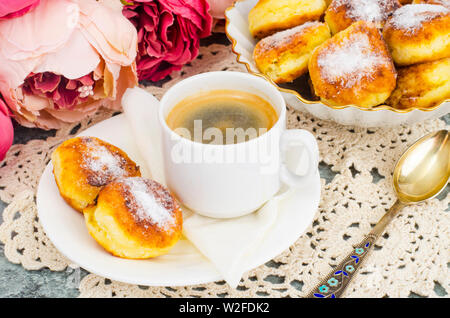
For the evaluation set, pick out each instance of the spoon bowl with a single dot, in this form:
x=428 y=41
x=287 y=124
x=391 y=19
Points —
x=424 y=169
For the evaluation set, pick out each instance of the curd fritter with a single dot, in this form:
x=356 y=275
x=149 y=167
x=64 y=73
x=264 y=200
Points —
x=83 y=165
x=353 y=67
x=342 y=13
x=284 y=56
x=135 y=218
x=270 y=16
x=418 y=33
x=422 y=85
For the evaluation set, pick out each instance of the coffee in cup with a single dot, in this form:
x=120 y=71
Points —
x=222 y=117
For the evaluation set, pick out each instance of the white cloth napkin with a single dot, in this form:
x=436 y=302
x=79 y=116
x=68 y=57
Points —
x=229 y=243
x=141 y=111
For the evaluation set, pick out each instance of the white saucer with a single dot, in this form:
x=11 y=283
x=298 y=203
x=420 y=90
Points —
x=184 y=265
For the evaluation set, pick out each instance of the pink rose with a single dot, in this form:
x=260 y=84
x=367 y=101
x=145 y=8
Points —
x=169 y=33
x=65 y=59
x=6 y=130
x=217 y=7
x=15 y=8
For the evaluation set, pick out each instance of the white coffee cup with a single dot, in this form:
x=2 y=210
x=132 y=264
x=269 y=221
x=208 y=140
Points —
x=225 y=181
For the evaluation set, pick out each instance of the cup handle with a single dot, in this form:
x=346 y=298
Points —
x=295 y=138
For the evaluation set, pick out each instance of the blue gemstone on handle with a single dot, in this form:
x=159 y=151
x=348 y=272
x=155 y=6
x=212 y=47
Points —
x=319 y=296
x=367 y=244
x=338 y=272
x=356 y=258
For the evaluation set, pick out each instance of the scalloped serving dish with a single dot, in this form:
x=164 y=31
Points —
x=298 y=95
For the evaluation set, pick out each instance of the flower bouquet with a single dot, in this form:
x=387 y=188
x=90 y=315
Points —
x=61 y=60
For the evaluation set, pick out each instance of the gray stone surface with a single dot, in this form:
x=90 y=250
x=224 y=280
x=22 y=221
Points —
x=18 y=282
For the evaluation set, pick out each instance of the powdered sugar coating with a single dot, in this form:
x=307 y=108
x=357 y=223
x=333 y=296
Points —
x=282 y=37
x=150 y=202
x=349 y=62
x=103 y=165
x=411 y=17
x=445 y=3
x=367 y=10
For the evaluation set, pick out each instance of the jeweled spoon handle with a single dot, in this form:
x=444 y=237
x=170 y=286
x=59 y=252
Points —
x=335 y=283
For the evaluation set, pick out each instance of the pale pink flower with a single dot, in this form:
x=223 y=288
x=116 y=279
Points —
x=64 y=59
x=217 y=8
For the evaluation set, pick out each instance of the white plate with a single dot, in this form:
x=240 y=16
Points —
x=237 y=30
x=183 y=265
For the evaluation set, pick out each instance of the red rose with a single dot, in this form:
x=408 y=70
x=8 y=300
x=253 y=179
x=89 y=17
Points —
x=169 y=33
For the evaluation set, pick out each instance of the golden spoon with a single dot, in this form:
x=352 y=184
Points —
x=420 y=174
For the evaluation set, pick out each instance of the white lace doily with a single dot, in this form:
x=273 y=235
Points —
x=411 y=258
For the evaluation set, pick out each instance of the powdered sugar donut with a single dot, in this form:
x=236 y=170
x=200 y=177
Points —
x=422 y=85
x=83 y=165
x=353 y=67
x=284 y=56
x=418 y=33
x=270 y=16
x=342 y=13
x=135 y=218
